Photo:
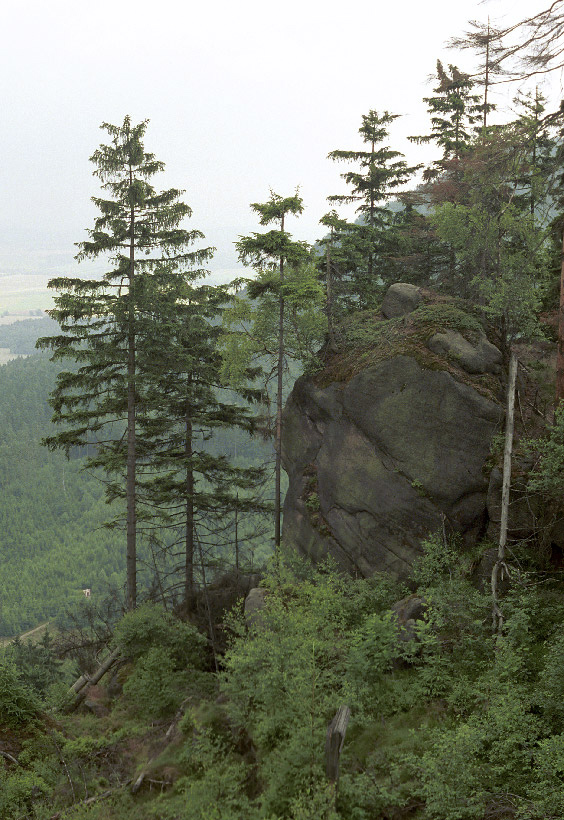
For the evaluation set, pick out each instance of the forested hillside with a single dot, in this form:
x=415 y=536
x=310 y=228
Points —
x=51 y=513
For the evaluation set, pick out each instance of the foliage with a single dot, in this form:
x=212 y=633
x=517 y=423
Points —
x=547 y=477
x=19 y=705
x=362 y=253
x=149 y=626
x=110 y=324
x=18 y=791
x=37 y=665
x=166 y=654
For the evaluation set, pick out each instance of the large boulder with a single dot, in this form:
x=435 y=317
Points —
x=378 y=462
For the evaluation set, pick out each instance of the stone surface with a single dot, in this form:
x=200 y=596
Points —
x=407 y=612
x=480 y=357
x=389 y=455
x=400 y=298
x=254 y=604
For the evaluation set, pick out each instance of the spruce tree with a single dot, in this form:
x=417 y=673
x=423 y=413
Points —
x=454 y=112
x=283 y=291
x=190 y=492
x=366 y=246
x=107 y=321
x=484 y=39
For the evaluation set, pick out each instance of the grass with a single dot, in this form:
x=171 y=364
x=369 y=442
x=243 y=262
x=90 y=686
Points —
x=34 y=635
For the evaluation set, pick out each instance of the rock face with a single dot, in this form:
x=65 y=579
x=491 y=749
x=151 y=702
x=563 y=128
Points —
x=377 y=463
x=401 y=298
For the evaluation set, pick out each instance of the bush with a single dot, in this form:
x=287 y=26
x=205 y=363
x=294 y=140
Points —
x=18 y=704
x=155 y=686
x=150 y=626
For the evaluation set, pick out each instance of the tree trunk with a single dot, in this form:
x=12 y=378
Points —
x=329 y=303
x=278 y=436
x=81 y=687
x=189 y=488
x=500 y=567
x=560 y=352
x=131 y=560
x=486 y=85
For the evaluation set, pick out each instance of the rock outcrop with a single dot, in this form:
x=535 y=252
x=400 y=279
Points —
x=380 y=459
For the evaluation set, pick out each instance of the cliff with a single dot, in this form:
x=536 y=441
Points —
x=390 y=441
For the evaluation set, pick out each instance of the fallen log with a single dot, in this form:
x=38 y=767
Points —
x=82 y=690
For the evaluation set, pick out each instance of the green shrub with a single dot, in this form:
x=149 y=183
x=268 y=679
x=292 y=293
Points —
x=155 y=687
x=18 y=790
x=18 y=704
x=150 y=626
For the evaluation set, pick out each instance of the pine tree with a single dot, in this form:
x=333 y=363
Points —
x=367 y=245
x=540 y=154
x=107 y=321
x=484 y=39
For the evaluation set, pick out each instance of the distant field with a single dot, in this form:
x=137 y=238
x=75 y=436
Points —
x=34 y=635
x=6 y=356
x=20 y=293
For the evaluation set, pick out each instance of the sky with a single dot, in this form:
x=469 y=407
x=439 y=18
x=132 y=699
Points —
x=242 y=97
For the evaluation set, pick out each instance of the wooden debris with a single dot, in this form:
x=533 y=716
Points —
x=81 y=686
x=336 y=732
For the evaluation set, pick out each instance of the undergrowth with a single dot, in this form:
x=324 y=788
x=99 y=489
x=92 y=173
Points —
x=447 y=721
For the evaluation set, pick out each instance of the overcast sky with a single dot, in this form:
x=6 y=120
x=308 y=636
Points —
x=242 y=96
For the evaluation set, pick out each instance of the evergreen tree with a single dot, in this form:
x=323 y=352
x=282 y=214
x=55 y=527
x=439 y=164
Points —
x=189 y=489
x=454 y=112
x=540 y=155
x=107 y=321
x=499 y=250
x=283 y=292
x=485 y=40
x=368 y=244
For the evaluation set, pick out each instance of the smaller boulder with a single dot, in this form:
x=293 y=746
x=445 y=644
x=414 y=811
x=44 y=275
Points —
x=407 y=612
x=482 y=357
x=254 y=604
x=400 y=299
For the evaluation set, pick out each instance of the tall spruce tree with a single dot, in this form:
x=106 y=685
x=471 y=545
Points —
x=189 y=489
x=484 y=39
x=108 y=323
x=284 y=286
x=367 y=245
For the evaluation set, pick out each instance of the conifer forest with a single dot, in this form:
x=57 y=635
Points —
x=292 y=547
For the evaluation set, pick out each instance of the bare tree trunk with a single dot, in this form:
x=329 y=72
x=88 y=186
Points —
x=83 y=684
x=500 y=567
x=278 y=436
x=329 y=291
x=131 y=556
x=486 y=85
x=237 y=535
x=560 y=352
x=189 y=540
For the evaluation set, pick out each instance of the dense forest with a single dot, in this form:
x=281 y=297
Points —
x=214 y=672
x=54 y=543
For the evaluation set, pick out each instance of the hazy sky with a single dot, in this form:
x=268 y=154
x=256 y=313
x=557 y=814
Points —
x=242 y=96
